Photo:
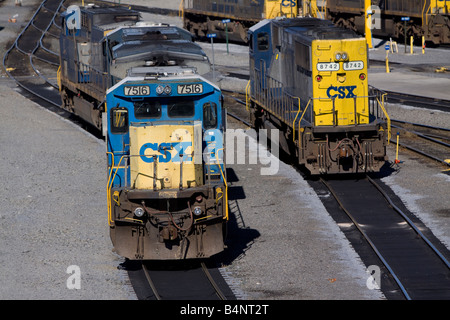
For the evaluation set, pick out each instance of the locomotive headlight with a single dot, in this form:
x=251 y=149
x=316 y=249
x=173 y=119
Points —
x=159 y=89
x=167 y=89
x=338 y=56
x=197 y=211
x=139 y=212
x=344 y=56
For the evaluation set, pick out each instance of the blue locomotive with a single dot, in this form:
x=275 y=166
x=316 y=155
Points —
x=146 y=86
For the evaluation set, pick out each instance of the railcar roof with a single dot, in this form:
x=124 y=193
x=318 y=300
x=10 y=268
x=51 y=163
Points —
x=314 y=29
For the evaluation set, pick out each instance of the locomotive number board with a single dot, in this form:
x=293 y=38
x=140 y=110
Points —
x=353 y=65
x=136 y=90
x=194 y=88
x=328 y=66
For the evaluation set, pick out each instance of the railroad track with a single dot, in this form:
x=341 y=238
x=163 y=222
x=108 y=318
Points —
x=418 y=101
x=411 y=265
x=177 y=281
x=411 y=261
x=32 y=64
x=431 y=142
x=30 y=60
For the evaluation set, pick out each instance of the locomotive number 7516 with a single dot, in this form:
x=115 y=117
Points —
x=194 y=88
x=136 y=90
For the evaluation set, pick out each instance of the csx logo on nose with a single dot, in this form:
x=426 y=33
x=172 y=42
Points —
x=165 y=150
x=341 y=92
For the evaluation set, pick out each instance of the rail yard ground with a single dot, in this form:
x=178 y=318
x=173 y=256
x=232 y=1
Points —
x=282 y=242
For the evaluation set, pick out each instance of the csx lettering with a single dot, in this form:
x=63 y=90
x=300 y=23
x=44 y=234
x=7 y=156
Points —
x=165 y=150
x=340 y=92
x=288 y=3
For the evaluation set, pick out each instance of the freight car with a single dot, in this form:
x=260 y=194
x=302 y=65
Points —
x=308 y=80
x=430 y=19
x=146 y=86
x=203 y=16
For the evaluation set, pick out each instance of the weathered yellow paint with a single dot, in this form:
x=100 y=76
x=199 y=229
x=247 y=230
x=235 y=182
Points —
x=336 y=82
x=440 y=6
x=167 y=173
x=275 y=8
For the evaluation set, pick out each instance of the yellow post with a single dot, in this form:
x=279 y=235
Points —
x=368 y=22
x=387 y=61
x=423 y=45
x=411 y=44
x=396 y=152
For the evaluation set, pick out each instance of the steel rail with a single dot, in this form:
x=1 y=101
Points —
x=213 y=283
x=40 y=45
x=411 y=224
x=420 y=125
x=233 y=115
x=372 y=245
x=423 y=136
x=419 y=101
x=16 y=46
x=150 y=282
x=421 y=152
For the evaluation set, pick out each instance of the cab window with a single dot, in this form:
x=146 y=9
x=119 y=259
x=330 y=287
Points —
x=179 y=109
x=263 y=41
x=302 y=58
x=147 y=109
x=119 y=120
x=209 y=115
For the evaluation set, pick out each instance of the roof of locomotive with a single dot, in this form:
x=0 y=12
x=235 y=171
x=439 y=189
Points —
x=314 y=29
x=110 y=17
x=98 y=10
x=140 y=50
x=147 y=41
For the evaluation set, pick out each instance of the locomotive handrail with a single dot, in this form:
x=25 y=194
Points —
x=115 y=168
x=300 y=121
x=110 y=182
x=284 y=107
x=224 y=181
x=181 y=9
x=388 y=119
x=247 y=95
x=279 y=107
x=426 y=12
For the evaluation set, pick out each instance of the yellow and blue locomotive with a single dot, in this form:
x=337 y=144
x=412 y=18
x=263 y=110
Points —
x=146 y=86
x=232 y=18
x=424 y=18
x=308 y=79
x=166 y=184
